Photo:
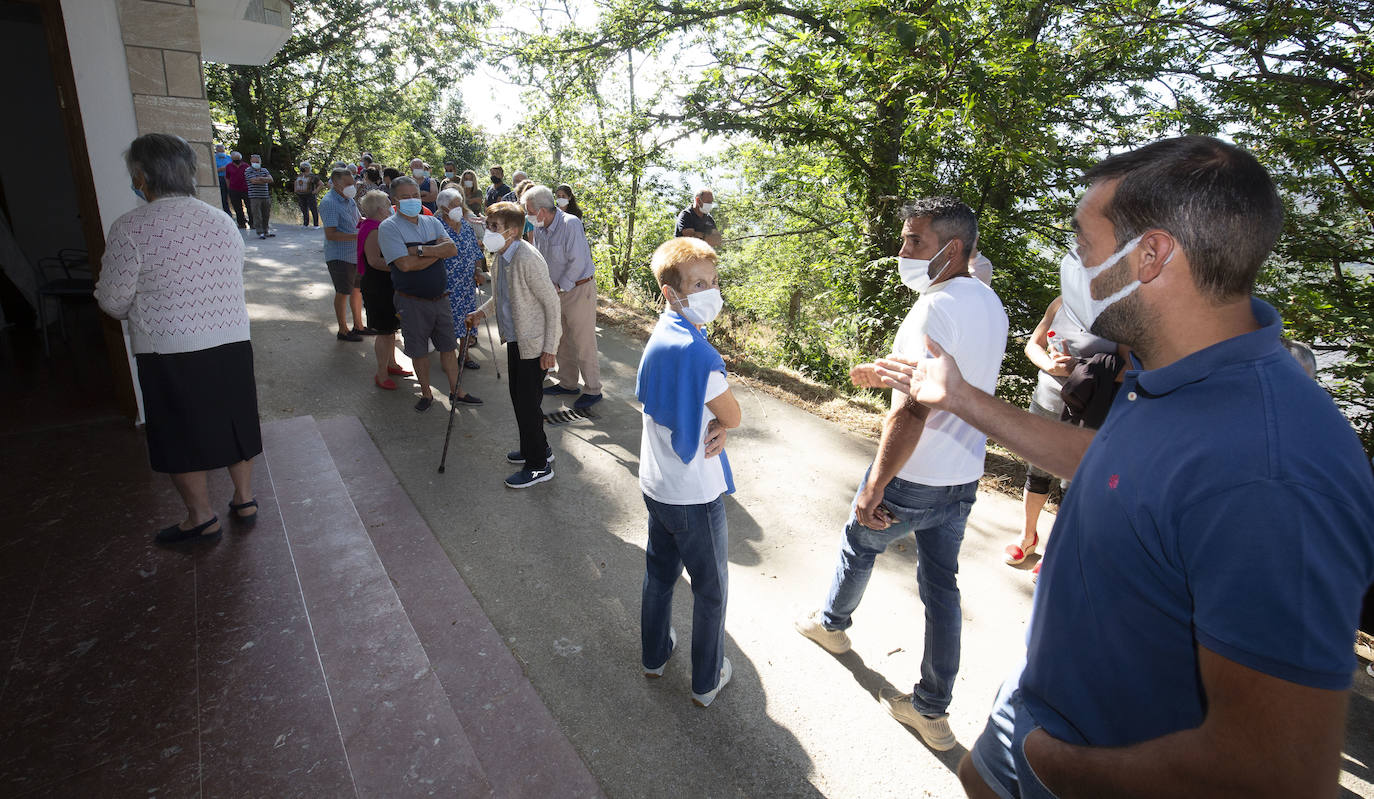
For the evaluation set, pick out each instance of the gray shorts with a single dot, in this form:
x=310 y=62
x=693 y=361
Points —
x=425 y=321
x=344 y=275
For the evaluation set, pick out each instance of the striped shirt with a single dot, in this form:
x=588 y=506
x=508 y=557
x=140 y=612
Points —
x=256 y=189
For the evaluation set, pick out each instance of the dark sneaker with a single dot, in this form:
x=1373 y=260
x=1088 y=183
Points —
x=472 y=365
x=556 y=390
x=349 y=336
x=586 y=401
x=364 y=331
x=528 y=477
x=517 y=457
x=423 y=404
x=466 y=399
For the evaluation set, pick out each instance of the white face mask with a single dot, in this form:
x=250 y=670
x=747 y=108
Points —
x=350 y=191
x=419 y=173
x=562 y=202
x=448 y=174
x=257 y=163
x=706 y=208
x=467 y=184
x=1075 y=284
x=493 y=241
x=533 y=220
x=915 y=272
x=455 y=215
x=701 y=308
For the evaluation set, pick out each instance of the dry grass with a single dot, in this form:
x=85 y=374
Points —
x=1004 y=472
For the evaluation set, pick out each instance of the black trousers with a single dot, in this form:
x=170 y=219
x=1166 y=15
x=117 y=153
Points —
x=238 y=200
x=224 y=195
x=309 y=204
x=527 y=397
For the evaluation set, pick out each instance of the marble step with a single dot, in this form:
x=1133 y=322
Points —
x=522 y=751
x=400 y=733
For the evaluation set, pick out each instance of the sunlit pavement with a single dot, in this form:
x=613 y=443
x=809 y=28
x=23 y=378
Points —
x=557 y=569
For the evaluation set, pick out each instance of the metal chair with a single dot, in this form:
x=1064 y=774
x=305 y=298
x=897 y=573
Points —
x=76 y=283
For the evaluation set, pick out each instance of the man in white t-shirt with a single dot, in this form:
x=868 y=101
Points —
x=926 y=472
x=683 y=469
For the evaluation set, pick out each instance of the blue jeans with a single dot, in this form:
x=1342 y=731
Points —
x=999 y=754
x=937 y=515
x=694 y=536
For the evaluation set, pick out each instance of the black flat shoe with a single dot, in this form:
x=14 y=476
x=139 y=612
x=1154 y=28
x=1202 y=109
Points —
x=471 y=366
x=201 y=532
x=246 y=521
x=423 y=404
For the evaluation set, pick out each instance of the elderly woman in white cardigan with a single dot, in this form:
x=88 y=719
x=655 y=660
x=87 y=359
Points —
x=173 y=268
x=526 y=307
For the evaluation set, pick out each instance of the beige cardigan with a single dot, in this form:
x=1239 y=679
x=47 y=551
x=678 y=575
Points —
x=533 y=301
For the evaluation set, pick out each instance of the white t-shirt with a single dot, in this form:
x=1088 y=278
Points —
x=966 y=319
x=662 y=474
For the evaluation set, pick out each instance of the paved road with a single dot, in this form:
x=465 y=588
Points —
x=557 y=568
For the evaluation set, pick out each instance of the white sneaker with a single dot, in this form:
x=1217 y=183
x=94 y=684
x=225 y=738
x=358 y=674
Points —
x=935 y=731
x=836 y=642
x=704 y=700
x=672 y=646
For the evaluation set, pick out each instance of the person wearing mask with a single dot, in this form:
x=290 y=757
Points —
x=526 y=310
x=429 y=189
x=450 y=172
x=567 y=202
x=415 y=245
x=307 y=187
x=460 y=269
x=1056 y=345
x=173 y=267
x=925 y=477
x=559 y=237
x=473 y=198
x=696 y=221
x=684 y=473
x=238 y=189
x=378 y=293
x=499 y=191
x=259 y=195
x=1224 y=513
x=222 y=160
x=340 y=215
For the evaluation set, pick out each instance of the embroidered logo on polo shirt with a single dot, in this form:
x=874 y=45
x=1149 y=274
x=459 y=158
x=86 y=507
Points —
x=1113 y=481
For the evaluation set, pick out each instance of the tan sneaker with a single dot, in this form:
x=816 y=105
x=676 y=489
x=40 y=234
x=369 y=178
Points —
x=836 y=642
x=935 y=731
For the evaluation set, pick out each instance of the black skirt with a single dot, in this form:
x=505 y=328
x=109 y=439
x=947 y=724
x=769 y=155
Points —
x=379 y=300
x=201 y=408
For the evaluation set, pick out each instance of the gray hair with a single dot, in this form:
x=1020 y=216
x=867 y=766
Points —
x=518 y=176
x=1303 y=355
x=341 y=172
x=540 y=196
x=449 y=198
x=373 y=201
x=404 y=180
x=166 y=163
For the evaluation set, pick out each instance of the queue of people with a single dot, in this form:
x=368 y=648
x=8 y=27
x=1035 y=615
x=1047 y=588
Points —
x=1223 y=515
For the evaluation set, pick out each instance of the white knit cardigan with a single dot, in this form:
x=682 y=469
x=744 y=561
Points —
x=174 y=269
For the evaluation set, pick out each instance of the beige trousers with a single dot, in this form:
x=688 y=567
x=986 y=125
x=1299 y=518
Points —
x=577 y=356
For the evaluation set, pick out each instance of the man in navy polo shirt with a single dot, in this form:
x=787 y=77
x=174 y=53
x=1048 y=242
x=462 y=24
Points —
x=1190 y=634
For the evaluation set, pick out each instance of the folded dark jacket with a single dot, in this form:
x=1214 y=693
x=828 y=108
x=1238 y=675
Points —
x=1090 y=388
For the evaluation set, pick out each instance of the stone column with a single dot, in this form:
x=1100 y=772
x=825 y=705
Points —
x=162 y=44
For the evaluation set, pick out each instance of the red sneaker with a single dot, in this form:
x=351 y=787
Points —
x=396 y=370
x=388 y=384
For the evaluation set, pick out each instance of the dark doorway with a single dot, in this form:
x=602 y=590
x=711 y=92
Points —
x=49 y=230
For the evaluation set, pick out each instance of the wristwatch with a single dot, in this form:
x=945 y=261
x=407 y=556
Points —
x=420 y=251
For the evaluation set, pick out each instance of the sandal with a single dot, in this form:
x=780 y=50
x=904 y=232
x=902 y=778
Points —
x=246 y=521
x=398 y=371
x=175 y=534
x=1016 y=555
x=387 y=384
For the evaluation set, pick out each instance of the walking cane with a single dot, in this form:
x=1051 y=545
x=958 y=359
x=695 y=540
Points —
x=452 y=404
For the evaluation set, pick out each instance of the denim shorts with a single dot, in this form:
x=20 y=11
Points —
x=999 y=754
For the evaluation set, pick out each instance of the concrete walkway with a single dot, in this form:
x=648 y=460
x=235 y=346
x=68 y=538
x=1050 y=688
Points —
x=557 y=569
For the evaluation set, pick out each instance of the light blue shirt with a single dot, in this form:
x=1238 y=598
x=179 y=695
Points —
x=563 y=243
x=340 y=213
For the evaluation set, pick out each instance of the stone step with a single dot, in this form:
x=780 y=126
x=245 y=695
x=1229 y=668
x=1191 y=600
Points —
x=399 y=731
x=522 y=751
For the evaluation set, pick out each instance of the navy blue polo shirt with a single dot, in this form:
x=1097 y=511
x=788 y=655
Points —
x=1225 y=503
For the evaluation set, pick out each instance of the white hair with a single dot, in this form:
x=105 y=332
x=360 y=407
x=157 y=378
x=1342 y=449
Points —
x=449 y=198
x=540 y=197
x=373 y=201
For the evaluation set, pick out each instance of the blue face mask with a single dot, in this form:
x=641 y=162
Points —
x=138 y=191
x=410 y=207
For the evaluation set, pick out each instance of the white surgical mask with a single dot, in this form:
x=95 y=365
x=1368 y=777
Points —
x=448 y=174
x=419 y=173
x=533 y=220
x=706 y=208
x=1075 y=284
x=493 y=241
x=562 y=202
x=350 y=191
x=257 y=163
x=467 y=184
x=915 y=272
x=455 y=215
x=701 y=308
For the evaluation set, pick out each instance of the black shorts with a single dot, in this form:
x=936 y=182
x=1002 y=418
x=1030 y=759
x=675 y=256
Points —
x=378 y=300
x=344 y=275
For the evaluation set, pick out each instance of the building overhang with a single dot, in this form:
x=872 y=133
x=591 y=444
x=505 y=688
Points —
x=243 y=31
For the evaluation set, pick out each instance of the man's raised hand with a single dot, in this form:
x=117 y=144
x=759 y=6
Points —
x=932 y=381
x=865 y=375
